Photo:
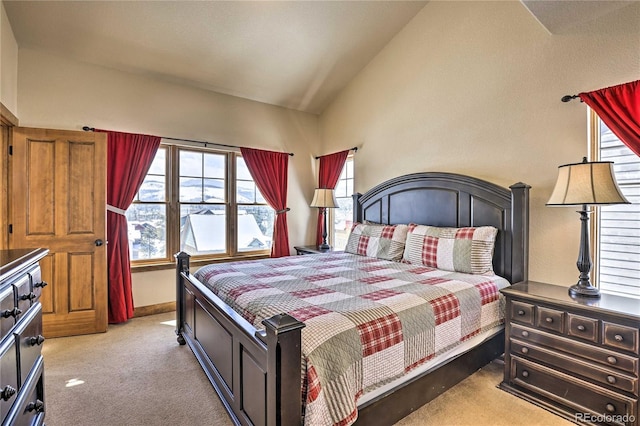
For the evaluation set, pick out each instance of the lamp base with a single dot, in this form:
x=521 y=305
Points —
x=324 y=246
x=584 y=291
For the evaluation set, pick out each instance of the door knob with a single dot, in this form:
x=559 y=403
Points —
x=98 y=242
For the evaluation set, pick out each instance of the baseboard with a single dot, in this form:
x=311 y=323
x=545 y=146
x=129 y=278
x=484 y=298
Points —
x=160 y=308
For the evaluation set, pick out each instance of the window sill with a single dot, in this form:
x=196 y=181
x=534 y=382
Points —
x=194 y=263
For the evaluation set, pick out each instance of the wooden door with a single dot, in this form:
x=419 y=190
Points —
x=57 y=201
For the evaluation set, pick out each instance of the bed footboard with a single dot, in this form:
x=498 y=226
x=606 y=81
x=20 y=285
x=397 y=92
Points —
x=255 y=373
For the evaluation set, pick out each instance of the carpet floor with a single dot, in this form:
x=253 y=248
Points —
x=136 y=374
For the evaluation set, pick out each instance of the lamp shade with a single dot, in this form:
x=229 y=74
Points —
x=586 y=183
x=324 y=198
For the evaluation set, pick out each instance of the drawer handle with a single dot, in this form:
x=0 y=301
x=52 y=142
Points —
x=525 y=334
x=7 y=393
x=42 y=284
x=618 y=338
x=525 y=350
x=38 y=340
x=11 y=313
x=525 y=373
x=549 y=320
x=520 y=312
x=29 y=296
x=581 y=327
x=37 y=406
x=610 y=408
x=612 y=360
x=611 y=379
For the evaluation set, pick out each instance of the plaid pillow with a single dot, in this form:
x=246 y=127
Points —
x=377 y=240
x=468 y=250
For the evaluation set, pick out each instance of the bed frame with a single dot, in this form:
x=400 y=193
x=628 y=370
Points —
x=257 y=373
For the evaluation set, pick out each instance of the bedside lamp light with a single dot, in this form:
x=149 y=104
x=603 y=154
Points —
x=583 y=184
x=324 y=199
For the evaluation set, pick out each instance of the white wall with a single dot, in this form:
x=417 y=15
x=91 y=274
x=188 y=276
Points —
x=8 y=64
x=62 y=94
x=475 y=88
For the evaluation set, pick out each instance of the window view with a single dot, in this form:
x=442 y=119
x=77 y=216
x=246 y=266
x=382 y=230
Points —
x=617 y=256
x=203 y=210
x=343 y=216
x=255 y=218
x=147 y=216
x=208 y=205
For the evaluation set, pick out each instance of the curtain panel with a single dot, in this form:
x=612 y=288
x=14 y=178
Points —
x=619 y=108
x=270 y=172
x=331 y=166
x=129 y=157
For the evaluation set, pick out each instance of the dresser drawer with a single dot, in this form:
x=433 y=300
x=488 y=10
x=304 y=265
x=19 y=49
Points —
x=29 y=338
x=29 y=409
x=8 y=375
x=600 y=355
x=575 y=366
x=550 y=319
x=521 y=312
x=21 y=291
x=620 y=337
x=8 y=311
x=37 y=284
x=582 y=327
x=571 y=392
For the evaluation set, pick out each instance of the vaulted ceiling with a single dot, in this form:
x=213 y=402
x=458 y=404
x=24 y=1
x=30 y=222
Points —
x=295 y=54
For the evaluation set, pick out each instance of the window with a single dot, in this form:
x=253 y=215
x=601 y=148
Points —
x=617 y=227
x=147 y=216
x=192 y=200
x=343 y=216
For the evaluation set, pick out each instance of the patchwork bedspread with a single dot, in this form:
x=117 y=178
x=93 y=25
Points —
x=368 y=321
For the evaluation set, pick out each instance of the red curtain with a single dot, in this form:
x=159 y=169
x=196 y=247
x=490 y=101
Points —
x=129 y=157
x=270 y=172
x=330 y=168
x=619 y=108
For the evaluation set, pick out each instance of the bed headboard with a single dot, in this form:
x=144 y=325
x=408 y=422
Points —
x=453 y=200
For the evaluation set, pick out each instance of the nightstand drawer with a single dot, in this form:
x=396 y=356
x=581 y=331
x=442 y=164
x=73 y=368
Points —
x=550 y=319
x=600 y=355
x=582 y=327
x=576 y=366
x=620 y=337
x=571 y=392
x=521 y=312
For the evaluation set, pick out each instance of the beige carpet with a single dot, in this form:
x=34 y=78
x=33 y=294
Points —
x=136 y=374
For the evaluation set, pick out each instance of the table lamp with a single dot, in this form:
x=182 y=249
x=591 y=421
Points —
x=324 y=199
x=584 y=184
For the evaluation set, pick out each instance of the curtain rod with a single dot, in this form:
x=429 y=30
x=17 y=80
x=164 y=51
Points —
x=355 y=149
x=569 y=98
x=205 y=143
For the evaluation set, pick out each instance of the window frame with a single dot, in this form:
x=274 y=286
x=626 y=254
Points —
x=594 y=138
x=173 y=203
x=331 y=237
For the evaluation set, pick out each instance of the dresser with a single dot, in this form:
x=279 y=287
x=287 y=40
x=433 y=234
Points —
x=21 y=364
x=576 y=357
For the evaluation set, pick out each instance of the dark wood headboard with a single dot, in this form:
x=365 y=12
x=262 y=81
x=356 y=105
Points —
x=453 y=200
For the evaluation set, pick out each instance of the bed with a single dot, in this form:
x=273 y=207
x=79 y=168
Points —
x=259 y=361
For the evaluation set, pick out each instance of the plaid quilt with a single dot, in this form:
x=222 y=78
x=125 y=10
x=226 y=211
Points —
x=368 y=321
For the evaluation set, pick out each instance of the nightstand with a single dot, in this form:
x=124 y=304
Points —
x=311 y=250
x=575 y=357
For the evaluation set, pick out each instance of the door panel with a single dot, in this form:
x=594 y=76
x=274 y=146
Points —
x=41 y=209
x=58 y=200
